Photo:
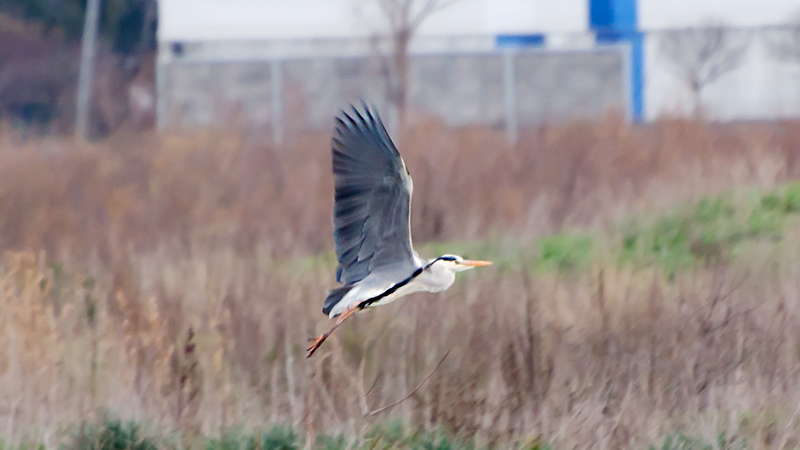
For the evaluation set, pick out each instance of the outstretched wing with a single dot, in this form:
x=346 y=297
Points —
x=373 y=195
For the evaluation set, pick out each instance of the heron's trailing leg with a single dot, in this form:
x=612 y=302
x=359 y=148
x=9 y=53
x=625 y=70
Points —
x=317 y=341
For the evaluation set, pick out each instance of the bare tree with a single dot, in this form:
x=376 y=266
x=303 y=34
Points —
x=784 y=42
x=700 y=56
x=405 y=17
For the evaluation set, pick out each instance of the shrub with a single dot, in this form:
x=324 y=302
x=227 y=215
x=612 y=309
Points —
x=564 y=252
x=111 y=434
x=278 y=438
x=683 y=442
x=791 y=198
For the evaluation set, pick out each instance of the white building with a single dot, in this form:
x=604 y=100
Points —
x=763 y=87
x=227 y=20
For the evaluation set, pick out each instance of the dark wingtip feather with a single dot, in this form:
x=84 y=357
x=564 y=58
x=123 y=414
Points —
x=334 y=296
x=362 y=118
x=349 y=119
x=365 y=116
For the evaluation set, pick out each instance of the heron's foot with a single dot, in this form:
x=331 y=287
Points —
x=315 y=344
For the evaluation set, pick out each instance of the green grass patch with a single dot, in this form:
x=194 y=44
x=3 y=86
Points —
x=115 y=434
x=714 y=229
x=277 y=438
x=564 y=253
x=25 y=445
x=711 y=230
x=681 y=441
x=395 y=435
x=110 y=434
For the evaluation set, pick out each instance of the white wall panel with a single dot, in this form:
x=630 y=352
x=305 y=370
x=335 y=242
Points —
x=761 y=88
x=661 y=14
x=309 y=19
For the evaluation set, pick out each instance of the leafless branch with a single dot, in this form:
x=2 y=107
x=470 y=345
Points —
x=404 y=17
x=410 y=394
x=700 y=56
x=784 y=42
x=377 y=439
x=410 y=14
x=431 y=6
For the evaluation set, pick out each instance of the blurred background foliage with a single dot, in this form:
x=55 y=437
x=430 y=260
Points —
x=39 y=54
x=650 y=290
x=644 y=293
x=128 y=25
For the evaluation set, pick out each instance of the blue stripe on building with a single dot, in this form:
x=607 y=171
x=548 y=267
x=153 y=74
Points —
x=616 y=21
x=519 y=40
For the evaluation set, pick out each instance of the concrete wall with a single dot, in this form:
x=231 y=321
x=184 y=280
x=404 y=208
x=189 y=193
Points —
x=301 y=94
x=236 y=31
x=210 y=20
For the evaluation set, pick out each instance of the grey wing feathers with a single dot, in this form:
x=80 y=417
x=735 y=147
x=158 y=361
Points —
x=334 y=296
x=373 y=196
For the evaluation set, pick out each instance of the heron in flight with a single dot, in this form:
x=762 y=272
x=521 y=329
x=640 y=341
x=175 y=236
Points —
x=372 y=238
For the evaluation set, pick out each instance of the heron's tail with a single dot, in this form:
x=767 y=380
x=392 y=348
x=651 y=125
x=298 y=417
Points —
x=334 y=297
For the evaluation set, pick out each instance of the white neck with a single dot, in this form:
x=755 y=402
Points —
x=436 y=278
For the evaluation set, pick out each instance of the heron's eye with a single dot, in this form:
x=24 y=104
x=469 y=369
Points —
x=448 y=258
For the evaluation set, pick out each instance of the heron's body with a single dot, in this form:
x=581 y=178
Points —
x=372 y=236
x=435 y=279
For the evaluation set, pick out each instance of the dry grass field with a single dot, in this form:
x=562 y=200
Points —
x=645 y=294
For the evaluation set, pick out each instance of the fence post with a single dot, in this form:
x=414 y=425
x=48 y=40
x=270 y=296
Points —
x=84 y=100
x=276 y=78
x=162 y=66
x=510 y=95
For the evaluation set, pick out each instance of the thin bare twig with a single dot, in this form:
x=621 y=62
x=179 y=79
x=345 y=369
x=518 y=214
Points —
x=362 y=397
x=789 y=426
x=390 y=405
x=431 y=7
x=378 y=376
x=377 y=439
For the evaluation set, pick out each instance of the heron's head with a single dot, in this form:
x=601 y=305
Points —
x=455 y=263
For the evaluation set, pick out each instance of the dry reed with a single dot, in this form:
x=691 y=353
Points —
x=174 y=280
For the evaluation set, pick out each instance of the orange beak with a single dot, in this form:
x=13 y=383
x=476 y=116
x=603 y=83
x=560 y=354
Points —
x=472 y=263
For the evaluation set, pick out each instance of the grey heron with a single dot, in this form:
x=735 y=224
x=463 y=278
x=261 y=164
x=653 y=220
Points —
x=371 y=221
